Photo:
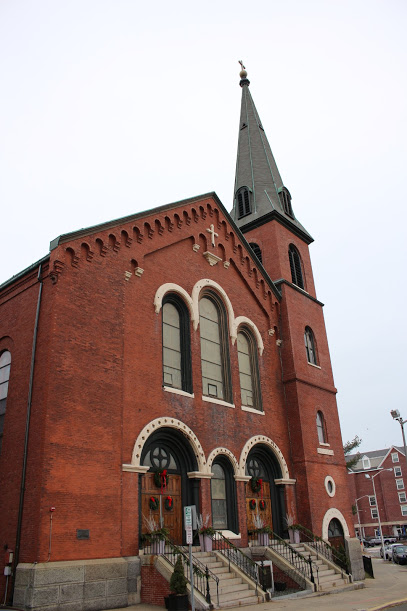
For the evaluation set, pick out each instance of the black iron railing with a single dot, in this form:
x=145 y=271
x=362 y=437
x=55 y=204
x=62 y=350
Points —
x=235 y=556
x=323 y=548
x=305 y=566
x=202 y=576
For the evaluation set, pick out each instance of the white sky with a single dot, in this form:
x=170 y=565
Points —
x=110 y=107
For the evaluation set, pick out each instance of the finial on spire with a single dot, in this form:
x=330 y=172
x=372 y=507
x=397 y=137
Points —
x=243 y=75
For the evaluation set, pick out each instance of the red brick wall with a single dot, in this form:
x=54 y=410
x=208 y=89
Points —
x=153 y=586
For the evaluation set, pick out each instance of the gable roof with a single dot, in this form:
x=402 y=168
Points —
x=376 y=457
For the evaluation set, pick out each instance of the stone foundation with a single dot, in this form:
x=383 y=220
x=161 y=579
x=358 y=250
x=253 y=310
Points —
x=78 y=585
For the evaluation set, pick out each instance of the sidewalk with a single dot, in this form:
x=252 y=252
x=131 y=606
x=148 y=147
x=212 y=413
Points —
x=389 y=586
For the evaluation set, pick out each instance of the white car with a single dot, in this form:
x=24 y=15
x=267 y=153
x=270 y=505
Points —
x=388 y=551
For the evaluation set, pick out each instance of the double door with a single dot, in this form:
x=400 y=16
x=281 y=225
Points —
x=168 y=512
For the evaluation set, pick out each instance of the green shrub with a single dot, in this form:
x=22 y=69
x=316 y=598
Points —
x=178 y=581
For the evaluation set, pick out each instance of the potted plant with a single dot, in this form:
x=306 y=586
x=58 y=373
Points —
x=205 y=533
x=293 y=530
x=156 y=534
x=178 y=599
x=263 y=531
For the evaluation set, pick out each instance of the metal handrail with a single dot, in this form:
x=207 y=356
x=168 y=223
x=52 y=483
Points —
x=201 y=573
x=235 y=556
x=325 y=549
x=305 y=566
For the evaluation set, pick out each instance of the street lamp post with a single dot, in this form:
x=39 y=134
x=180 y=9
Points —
x=395 y=414
x=377 y=504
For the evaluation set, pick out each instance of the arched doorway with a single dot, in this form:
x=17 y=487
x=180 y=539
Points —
x=262 y=465
x=335 y=533
x=168 y=450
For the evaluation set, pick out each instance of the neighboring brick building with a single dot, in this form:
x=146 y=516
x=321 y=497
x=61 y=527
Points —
x=389 y=469
x=183 y=338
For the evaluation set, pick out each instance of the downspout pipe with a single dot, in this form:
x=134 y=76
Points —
x=27 y=431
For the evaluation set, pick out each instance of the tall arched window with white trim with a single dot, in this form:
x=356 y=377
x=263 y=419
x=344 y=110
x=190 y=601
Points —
x=310 y=348
x=216 y=379
x=5 y=364
x=176 y=344
x=248 y=370
x=321 y=429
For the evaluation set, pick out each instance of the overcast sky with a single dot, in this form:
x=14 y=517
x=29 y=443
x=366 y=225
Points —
x=110 y=107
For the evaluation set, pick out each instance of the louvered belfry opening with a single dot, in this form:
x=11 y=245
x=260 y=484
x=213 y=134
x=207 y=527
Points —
x=243 y=200
x=285 y=199
x=295 y=265
x=257 y=251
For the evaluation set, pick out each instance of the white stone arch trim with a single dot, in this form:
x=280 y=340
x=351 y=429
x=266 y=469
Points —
x=174 y=423
x=273 y=447
x=207 y=283
x=244 y=321
x=330 y=515
x=170 y=287
x=223 y=452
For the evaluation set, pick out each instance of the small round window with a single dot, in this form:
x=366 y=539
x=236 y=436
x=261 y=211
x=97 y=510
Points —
x=330 y=485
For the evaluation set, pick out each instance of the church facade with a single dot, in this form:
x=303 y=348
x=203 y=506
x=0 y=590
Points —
x=179 y=355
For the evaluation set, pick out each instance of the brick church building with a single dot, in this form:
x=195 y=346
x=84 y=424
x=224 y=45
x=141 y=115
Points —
x=184 y=339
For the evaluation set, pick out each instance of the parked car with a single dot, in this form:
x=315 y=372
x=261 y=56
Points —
x=386 y=539
x=399 y=553
x=388 y=550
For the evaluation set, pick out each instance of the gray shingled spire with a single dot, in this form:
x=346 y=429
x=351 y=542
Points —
x=259 y=194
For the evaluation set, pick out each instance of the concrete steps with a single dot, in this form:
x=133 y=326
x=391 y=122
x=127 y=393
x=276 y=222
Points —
x=328 y=576
x=233 y=589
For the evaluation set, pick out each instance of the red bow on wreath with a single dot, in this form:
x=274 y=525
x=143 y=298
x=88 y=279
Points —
x=163 y=476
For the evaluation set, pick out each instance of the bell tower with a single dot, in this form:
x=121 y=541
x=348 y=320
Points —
x=263 y=211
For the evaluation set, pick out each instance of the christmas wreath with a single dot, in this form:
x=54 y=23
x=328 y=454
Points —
x=252 y=504
x=153 y=503
x=255 y=484
x=161 y=479
x=169 y=503
x=262 y=505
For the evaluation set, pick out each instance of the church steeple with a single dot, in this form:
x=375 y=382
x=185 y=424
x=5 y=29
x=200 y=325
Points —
x=259 y=194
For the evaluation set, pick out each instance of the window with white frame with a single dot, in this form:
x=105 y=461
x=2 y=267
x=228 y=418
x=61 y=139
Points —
x=400 y=484
x=403 y=510
x=377 y=532
x=395 y=457
x=372 y=501
x=402 y=497
x=366 y=462
x=397 y=471
x=374 y=514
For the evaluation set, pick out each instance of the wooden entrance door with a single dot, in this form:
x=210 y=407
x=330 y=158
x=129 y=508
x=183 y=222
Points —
x=172 y=517
x=265 y=514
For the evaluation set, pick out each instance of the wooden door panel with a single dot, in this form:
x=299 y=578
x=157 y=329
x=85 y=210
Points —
x=266 y=514
x=173 y=517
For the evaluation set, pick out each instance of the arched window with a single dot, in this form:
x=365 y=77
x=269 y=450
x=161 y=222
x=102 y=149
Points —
x=214 y=348
x=310 y=346
x=243 y=202
x=257 y=251
x=295 y=266
x=248 y=370
x=223 y=496
x=285 y=200
x=5 y=363
x=321 y=430
x=176 y=344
